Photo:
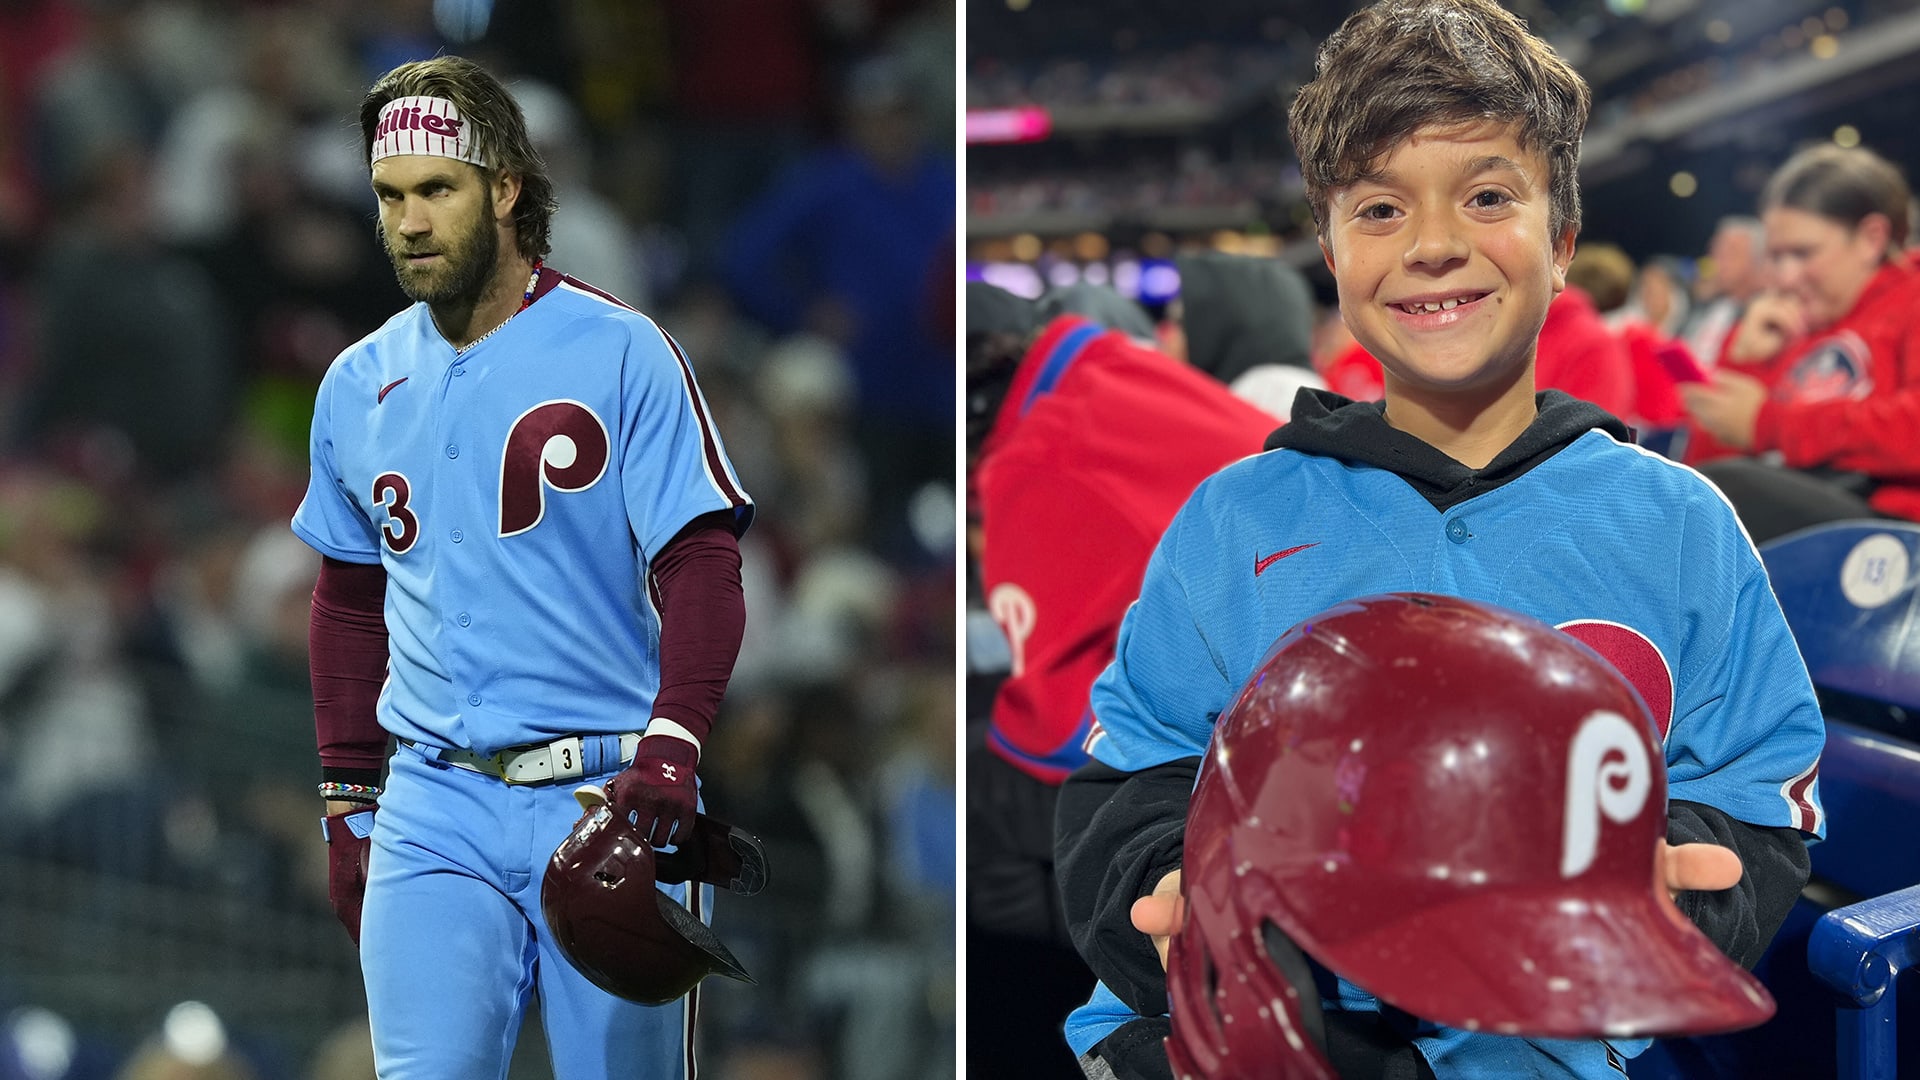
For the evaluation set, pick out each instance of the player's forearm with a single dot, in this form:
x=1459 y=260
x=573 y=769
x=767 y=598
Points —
x=1742 y=920
x=702 y=617
x=1116 y=835
x=347 y=649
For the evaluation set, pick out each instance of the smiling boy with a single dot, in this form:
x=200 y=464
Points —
x=1439 y=143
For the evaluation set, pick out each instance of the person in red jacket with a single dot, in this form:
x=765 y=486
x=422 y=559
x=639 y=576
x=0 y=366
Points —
x=1814 y=412
x=1081 y=445
x=1605 y=273
x=1580 y=355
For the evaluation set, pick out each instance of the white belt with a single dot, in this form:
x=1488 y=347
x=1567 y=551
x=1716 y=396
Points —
x=557 y=760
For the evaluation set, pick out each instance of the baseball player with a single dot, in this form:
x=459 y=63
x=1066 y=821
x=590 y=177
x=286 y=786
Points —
x=531 y=582
x=1439 y=142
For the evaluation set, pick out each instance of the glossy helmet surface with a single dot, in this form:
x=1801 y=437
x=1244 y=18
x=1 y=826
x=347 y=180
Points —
x=1455 y=807
x=609 y=918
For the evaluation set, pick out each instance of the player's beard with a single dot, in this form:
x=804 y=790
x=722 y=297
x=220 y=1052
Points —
x=466 y=264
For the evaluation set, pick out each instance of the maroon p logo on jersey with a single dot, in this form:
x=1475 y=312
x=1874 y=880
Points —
x=557 y=444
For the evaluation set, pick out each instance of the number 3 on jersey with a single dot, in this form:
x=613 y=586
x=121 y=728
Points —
x=558 y=444
x=392 y=491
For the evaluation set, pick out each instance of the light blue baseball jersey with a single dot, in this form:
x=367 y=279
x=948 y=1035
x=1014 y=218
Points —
x=515 y=494
x=1637 y=555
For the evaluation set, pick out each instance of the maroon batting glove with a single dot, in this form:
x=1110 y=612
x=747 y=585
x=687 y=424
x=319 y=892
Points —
x=657 y=792
x=349 y=837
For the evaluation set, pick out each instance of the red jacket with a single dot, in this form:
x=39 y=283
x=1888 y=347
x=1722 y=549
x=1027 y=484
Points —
x=1581 y=355
x=1848 y=397
x=1578 y=354
x=1656 y=397
x=1098 y=443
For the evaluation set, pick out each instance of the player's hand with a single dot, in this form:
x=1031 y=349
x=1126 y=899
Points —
x=657 y=791
x=1728 y=408
x=1770 y=321
x=1161 y=914
x=349 y=835
x=1702 y=867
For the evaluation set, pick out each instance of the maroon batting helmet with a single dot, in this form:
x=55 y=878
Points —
x=1454 y=806
x=619 y=930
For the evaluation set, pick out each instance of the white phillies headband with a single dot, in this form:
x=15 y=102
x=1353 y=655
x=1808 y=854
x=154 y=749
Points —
x=424 y=125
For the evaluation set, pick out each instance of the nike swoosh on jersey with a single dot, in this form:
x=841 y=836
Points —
x=384 y=390
x=1260 y=565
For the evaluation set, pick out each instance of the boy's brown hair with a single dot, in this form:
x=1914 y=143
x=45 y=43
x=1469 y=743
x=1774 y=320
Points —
x=1399 y=65
x=498 y=130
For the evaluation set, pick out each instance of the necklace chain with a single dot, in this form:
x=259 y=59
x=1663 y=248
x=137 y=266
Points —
x=526 y=299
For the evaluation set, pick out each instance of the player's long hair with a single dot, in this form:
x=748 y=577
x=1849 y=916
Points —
x=1399 y=65
x=496 y=126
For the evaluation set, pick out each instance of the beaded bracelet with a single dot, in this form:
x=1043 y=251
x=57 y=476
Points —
x=350 y=792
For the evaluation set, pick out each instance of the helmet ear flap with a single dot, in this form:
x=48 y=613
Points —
x=1245 y=1004
x=1303 y=991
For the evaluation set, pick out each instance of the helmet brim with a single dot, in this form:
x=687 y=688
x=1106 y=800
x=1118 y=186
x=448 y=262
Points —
x=1570 y=961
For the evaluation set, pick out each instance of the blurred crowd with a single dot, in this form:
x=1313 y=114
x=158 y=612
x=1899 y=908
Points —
x=1202 y=74
x=188 y=242
x=1197 y=178
x=1160 y=67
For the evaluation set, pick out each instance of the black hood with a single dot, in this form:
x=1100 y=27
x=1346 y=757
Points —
x=1329 y=425
x=1241 y=312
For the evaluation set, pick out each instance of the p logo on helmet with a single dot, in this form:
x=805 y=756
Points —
x=1607 y=776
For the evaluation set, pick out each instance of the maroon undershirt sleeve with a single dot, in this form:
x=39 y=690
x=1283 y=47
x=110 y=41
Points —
x=347 y=647
x=696 y=582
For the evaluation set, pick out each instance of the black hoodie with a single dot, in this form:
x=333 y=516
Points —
x=1117 y=834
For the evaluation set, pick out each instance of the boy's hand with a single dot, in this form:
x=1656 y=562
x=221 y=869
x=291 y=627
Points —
x=1728 y=408
x=1703 y=867
x=1158 y=916
x=1771 y=321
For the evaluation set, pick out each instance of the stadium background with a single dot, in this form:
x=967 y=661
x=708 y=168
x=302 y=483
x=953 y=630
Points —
x=1166 y=122
x=1105 y=136
x=185 y=243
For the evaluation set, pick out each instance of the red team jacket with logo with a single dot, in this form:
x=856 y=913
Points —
x=1098 y=443
x=1848 y=397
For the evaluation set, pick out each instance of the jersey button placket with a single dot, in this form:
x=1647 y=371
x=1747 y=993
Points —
x=1458 y=532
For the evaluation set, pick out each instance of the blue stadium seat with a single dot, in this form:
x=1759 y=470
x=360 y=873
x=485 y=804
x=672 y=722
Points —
x=1860 y=952
x=1849 y=593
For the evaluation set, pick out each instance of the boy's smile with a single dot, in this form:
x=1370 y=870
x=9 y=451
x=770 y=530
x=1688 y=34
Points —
x=1445 y=260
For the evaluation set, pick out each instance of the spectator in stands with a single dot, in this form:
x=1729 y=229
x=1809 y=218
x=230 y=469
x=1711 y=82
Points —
x=1081 y=444
x=154 y=384
x=1605 y=274
x=1814 y=414
x=1737 y=272
x=1660 y=294
x=1248 y=322
x=848 y=243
